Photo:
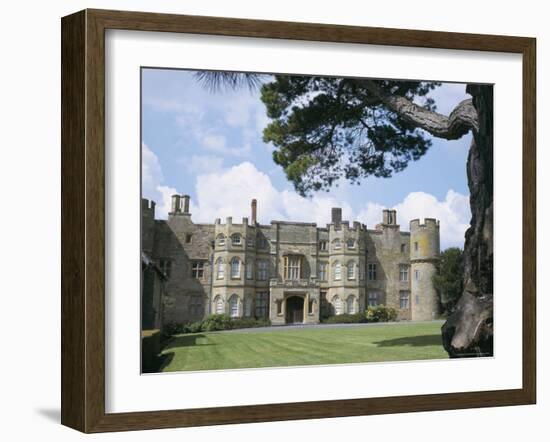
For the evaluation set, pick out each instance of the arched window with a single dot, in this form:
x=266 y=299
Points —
x=236 y=239
x=337 y=271
x=234 y=306
x=221 y=239
x=351 y=243
x=235 y=267
x=351 y=304
x=219 y=268
x=337 y=244
x=338 y=307
x=218 y=305
x=351 y=270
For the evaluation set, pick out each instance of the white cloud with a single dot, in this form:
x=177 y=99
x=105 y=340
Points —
x=453 y=213
x=245 y=111
x=151 y=173
x=205 y=118
x=204 y=135
x=448 y=95
x=228 y=193
x=202 y=164
x=164 y=203
x=218 y=143
x=151 y=180
x=214 y=142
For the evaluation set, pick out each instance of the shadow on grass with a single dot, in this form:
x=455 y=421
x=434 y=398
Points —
x=412 y=341
x=185 y=341
x=158 y=364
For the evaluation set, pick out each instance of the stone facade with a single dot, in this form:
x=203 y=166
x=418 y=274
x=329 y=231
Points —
x=290 y=272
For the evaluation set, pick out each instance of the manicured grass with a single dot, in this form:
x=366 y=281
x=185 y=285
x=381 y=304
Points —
x=304 y=346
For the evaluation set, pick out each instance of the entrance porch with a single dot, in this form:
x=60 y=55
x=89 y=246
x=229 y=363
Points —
x=293 y=304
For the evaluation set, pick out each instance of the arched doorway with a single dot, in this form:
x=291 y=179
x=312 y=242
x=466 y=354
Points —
x=294 y=310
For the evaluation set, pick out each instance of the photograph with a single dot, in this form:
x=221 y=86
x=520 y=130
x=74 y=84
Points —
x=302 y=220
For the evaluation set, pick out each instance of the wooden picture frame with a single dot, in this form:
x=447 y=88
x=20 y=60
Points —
x=83 y=220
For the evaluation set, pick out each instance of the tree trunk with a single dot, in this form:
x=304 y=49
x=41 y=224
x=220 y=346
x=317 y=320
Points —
x=468 y=331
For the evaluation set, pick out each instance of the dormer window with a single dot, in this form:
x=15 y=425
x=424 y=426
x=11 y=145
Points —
x=236 y=239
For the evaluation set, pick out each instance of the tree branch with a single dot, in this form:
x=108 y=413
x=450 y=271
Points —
x=462 y=119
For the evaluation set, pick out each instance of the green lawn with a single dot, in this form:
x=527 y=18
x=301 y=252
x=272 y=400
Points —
x=304 y=346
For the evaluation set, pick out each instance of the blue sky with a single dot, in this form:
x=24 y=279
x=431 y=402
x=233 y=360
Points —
x=209 y=145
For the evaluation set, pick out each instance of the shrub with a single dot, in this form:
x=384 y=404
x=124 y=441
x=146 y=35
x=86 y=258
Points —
x=345 y=318
x=172 y=328
x=194 y=327
x=150 y=349
x=214 y=323
x=263 y=322
x=217 y=322
x=380 y=313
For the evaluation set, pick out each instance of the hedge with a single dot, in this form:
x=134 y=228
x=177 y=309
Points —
x=214 y=322
x=150 y=349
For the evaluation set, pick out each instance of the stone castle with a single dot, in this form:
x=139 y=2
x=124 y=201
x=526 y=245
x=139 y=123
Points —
x=289 y=272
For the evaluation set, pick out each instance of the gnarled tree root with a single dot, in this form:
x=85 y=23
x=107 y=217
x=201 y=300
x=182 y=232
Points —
x=468 y=331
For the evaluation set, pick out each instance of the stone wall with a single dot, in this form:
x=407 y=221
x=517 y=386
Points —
x=388 y=248
x=424 y=246
x=351 y=247
x=182 y=242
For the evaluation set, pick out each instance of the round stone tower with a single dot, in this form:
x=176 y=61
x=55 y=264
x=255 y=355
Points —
x=424 y=249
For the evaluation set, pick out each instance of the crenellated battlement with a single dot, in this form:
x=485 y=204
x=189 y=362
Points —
x=345 y=226
x=424 y=240
x=148 y=205
x=429 y=223
x=233 y=262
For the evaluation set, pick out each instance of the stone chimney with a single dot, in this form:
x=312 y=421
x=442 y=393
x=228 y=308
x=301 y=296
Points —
x=336 y=215
x=176 y=207
x=389 y=217
x=185 y=203
x=254 y=208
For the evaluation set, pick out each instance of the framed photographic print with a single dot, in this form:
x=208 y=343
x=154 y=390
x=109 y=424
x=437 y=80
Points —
x=268 y=221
